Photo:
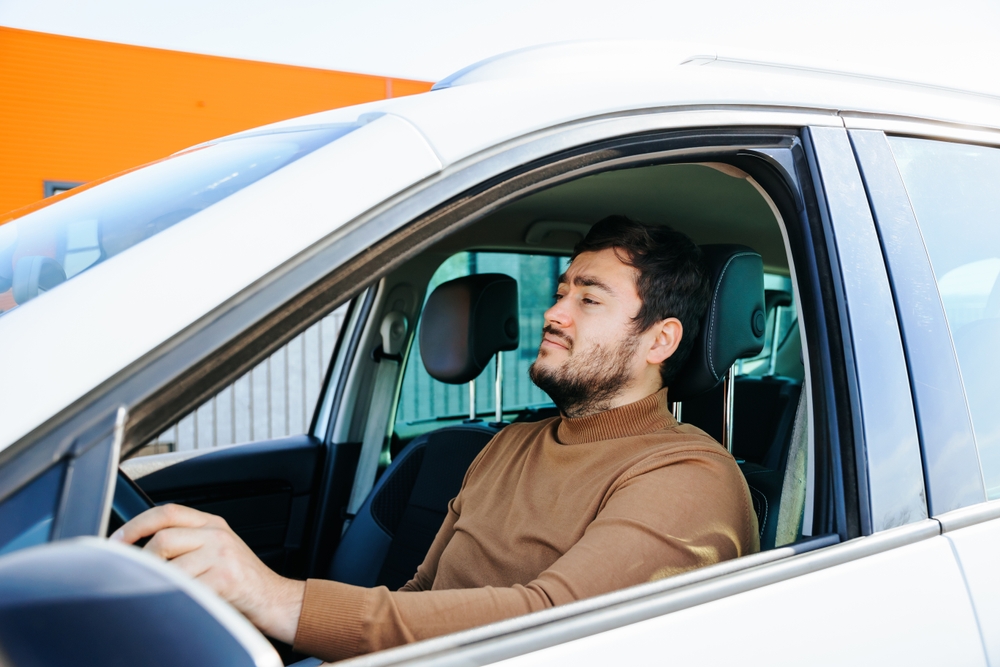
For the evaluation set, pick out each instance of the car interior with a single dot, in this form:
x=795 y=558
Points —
x=431 y=362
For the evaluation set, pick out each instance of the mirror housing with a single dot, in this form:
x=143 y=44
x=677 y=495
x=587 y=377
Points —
x=88 y=601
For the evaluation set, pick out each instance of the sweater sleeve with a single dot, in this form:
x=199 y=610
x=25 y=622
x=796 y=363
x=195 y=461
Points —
x=661 y=518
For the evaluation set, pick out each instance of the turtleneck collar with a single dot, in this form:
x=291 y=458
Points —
x=644 y=416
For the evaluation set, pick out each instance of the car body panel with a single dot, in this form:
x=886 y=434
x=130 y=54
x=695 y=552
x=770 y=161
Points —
x=974 y=533
x=886 y=606
x=976 y=548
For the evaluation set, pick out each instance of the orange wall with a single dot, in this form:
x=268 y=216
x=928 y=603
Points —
x=77 y=109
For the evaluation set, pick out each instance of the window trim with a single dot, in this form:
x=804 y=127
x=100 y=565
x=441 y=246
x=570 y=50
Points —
x=887 y=446
x=954 y=476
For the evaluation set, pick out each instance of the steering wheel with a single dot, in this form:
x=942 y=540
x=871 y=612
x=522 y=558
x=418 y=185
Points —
x=129 y=502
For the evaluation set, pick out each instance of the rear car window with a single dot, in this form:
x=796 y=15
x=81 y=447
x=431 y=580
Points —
x=954 y=191
x=424 y=401
x=47 y=245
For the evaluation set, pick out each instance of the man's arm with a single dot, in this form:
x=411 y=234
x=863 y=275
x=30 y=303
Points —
x=666 y=516
x=663 y=519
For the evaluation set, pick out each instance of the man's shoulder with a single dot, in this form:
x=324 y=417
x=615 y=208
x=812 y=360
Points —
x=523 y=431
x=681 y=443
x=517 y=436
x=510 y=442
x=692 y=436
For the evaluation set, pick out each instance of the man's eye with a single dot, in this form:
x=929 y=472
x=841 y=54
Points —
x=588 y=300
x=557 y=296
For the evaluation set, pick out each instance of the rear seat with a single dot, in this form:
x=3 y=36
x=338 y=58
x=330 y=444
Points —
x=763 y=412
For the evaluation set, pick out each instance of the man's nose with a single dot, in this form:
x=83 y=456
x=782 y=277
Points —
x=558 y=314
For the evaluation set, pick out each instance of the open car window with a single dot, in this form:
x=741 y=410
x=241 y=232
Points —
x=274 y=399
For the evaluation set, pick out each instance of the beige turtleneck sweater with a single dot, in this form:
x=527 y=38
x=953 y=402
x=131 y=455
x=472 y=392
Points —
x=551 y=512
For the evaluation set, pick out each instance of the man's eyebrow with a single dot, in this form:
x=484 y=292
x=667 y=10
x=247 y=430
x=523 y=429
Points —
x=588 y=281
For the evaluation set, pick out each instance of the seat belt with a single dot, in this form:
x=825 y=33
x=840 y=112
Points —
x=792 y=505
x=388 y=355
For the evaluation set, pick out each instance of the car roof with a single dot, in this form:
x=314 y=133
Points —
x=515 y=94
x=648 y=57
x=493 y=104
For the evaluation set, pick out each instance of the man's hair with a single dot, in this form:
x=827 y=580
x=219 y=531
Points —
x=672 y=279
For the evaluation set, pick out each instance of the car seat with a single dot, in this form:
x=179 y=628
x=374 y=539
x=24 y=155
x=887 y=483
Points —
x=765 y=409
x=464 y=324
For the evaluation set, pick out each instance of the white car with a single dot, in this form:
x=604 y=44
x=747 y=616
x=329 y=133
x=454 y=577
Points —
x=866 y=425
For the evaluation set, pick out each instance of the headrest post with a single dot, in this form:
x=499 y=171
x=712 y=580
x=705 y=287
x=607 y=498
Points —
x=773 y=360
x=677 y=411
x=499 y=388
x=472 y=400
x=729 y=394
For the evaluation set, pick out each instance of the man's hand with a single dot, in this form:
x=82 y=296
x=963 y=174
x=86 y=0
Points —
x=204 y=546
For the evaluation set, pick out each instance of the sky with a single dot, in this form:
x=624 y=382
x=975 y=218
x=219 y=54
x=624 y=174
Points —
x=952 y=41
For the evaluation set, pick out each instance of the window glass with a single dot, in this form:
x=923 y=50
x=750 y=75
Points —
x=424 y=400
x=274 y=399
x=57 y=241
x=26 y=517
x=954 y=193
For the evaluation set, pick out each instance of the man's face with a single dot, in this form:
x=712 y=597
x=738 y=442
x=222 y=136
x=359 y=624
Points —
x=590 y=352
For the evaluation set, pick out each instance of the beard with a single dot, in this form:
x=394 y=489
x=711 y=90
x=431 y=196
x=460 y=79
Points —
x=586 y=383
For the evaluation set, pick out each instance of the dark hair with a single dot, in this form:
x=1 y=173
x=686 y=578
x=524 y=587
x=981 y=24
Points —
x=673 y=280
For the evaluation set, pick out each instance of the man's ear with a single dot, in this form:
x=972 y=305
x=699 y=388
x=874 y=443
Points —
x=668 y=337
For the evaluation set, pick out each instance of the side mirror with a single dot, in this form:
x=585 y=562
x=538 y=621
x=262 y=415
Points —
x=34 y=275
x=8 y=244
x=87 y=601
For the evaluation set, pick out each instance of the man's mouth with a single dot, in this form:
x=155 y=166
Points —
x=554 y=338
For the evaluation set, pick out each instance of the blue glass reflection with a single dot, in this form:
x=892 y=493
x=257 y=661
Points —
x=46 y=247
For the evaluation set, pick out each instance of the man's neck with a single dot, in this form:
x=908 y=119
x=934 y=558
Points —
x=629 y=394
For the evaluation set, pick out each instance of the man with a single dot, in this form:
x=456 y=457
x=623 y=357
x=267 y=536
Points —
x=612 y=493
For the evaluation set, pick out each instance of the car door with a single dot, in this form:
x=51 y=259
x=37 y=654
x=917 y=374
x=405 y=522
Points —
x=895 y=593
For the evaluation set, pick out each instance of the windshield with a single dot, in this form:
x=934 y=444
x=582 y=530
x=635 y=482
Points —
x=46 y=246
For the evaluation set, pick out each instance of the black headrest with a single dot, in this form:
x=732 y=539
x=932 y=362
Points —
x=733 y=326
x=465 y=322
